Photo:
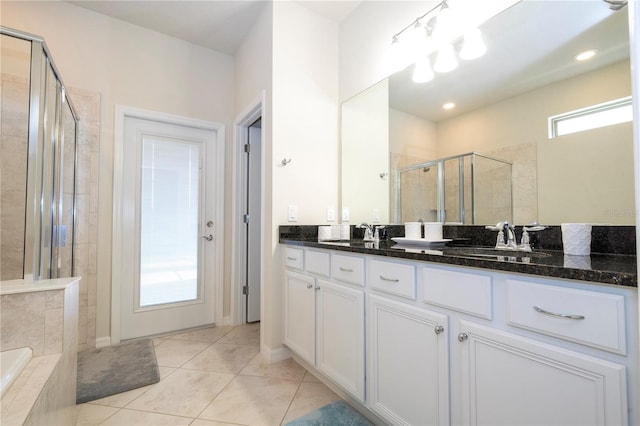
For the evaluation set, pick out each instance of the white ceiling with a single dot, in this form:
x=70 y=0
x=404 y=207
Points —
x=216 y=24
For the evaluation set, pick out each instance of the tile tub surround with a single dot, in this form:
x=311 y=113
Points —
x=44 y=393
x=618 y=268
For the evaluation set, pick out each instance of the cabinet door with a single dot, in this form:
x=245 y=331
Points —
x=511 y=380
x=299 y=315
x=340 y=339
x=408 y=367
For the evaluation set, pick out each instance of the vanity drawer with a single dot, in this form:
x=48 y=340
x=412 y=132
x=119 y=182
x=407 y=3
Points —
x=348 y=269
x=393 y=278
x=294 y=258
x=317 y=262
x=587 y=317
x=460 y=291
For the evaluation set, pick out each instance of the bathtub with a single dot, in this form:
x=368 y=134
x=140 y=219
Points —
x=11 y=364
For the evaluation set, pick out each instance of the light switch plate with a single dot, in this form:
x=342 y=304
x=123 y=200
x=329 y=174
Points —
x=293 y=213
x=376 y=215
x=331 y=214
x=345 y=214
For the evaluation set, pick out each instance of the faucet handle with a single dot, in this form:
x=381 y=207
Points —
x=534 y=228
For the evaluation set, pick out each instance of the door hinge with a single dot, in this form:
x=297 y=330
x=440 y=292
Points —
x=247 y=148
x=245 y=218
x=245 y=289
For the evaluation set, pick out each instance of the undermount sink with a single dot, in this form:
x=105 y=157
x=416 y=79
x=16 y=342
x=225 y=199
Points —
x=492 y=253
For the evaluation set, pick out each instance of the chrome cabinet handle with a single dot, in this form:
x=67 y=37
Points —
x=208 y=237
x=553 y=314
x=462 y=337
x=392 y=280
x=292 y=258
x=438 y=329
x=317 y=288
x=309 y=285
x=345 y=269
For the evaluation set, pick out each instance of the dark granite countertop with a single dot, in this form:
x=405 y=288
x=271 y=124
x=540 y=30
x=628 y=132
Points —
x=613 y=269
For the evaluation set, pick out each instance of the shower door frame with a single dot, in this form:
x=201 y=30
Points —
x=35 y=242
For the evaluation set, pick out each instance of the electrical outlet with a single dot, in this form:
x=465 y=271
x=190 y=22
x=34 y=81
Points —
x=345 y=214
x=376 y=215
x=293 y=213
x=331 y=214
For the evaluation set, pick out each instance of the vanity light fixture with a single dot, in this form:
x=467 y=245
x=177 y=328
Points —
x=439 y=30
x=449 y=105
x=585 y=55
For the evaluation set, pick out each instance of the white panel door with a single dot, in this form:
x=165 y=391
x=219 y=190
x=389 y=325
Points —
x=408 y=363
x=340 y=335
x=300 y=315
x=511 y=380
x=168 y=250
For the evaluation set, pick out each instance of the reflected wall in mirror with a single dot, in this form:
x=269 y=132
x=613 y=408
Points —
x=503 y=102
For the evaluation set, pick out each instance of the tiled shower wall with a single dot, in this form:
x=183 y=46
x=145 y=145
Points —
x=87 y=106
x=14 y=128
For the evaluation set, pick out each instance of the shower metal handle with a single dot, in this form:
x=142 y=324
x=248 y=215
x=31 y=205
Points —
x=208 y=237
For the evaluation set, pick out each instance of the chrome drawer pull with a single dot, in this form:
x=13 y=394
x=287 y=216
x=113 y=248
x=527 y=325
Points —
x=393 y=280
x=553 y=314
x=292 y=258
x=345 y=269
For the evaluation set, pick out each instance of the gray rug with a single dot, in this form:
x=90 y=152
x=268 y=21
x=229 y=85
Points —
x=337 y=413
x=114 y=369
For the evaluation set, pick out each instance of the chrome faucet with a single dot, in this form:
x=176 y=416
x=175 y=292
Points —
x=505 y=228
x=368 y=231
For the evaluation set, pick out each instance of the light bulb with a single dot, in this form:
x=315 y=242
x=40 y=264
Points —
x=473 y=46
x=422 y=71
x=446 y=60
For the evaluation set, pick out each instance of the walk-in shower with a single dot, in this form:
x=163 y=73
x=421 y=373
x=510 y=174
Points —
x=38 y=140
x=464 y=189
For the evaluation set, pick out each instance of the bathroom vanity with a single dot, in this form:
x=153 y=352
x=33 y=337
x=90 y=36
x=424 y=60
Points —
x=440 y=336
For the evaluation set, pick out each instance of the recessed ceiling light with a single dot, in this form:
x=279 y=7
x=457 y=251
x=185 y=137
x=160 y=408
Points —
x=449 y=105
x=587 y=54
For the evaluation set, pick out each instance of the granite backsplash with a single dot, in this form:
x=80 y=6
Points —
x=604 y=239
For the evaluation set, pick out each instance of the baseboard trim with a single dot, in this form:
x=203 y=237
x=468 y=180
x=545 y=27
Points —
x=274 y=355
x=101 y=342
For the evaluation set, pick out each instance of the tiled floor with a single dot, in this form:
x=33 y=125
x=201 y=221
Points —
x=213 y=377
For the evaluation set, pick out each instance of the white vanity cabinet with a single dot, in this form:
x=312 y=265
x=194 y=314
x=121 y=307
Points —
x=324 y=317
x=408 y=363
x=300 y=315
x=508 y=379
x=458 y=345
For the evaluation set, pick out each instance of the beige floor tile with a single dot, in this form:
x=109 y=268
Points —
x=90 y=414
x=126 y=417
x=201 y=422
x=223 y=358
x=252 y=400
x=209 y=334
x=310 y=396
x=287 y=369
x=174 y=353
x=309 y=377
x=183 y=393
x=158 y=341
x=248 y=334
x=121 y=400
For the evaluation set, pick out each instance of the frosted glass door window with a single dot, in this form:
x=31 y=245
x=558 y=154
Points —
x=169 y=219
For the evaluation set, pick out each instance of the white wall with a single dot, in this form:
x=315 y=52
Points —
x=304 y=129
x=131 y=66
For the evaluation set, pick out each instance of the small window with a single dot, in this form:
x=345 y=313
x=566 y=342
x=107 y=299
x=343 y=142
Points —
x=593 y=117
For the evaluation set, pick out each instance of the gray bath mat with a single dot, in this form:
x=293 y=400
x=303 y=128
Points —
x=114 y=369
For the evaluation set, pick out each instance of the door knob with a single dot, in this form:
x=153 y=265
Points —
x=208 y=237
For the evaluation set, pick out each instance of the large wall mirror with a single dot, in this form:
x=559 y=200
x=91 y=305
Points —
x=503 y=101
